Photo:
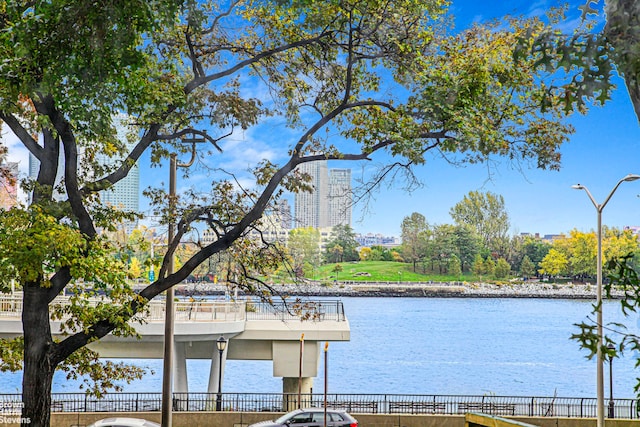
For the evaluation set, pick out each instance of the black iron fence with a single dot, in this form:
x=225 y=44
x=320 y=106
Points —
x=292 y=310
x=357 y=403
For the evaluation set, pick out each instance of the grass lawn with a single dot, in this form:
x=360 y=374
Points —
x=382 y=271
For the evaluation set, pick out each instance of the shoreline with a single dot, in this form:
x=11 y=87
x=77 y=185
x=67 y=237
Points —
x=531 y=289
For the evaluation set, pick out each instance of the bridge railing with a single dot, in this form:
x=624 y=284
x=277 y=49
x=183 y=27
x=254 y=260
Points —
x=571 y=407
x=194 y=311
x=10 y=306
x=214 y=310
x=295 y=310
x=199 y=311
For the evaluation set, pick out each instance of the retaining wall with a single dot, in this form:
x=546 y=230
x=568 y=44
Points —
x=241 y=419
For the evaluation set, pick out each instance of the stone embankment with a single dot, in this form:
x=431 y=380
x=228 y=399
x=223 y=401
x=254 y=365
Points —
x=529 y=289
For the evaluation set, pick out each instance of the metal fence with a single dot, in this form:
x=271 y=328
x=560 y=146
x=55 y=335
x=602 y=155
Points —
x=211 y=311
x=572 y=407
x=295 y=310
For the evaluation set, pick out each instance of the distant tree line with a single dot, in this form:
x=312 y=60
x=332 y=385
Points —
x=478 y=242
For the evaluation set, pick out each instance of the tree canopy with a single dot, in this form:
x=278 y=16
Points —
x=487 y=215
x=343 y=81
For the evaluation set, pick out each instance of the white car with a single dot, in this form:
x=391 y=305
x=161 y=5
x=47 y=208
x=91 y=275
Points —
x=124 y=422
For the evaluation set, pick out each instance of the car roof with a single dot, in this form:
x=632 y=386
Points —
x=124 y=422
x=321 y=410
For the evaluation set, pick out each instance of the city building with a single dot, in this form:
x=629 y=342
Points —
x=329 y=203
x=124 y=195
x=378 y=239
x=340 y=200
x=283 y=212
x=9 y=185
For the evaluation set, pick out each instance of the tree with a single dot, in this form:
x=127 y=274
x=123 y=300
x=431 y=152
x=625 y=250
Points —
x=489 y=266
x=580 y=249
x=618 y=244
x=172 y=70
x=467 y=245
x=337 y=269
x=535 y=249
x=554 y=263
x=502 y=269
x=304 y=247
x=478 y=265
x=443 y=245
x=366 y=254
x=486 y=214
x=380 y=253
x=622 y=33
x=135 y=269
x=527 y=267
x=454 y=267
x=342 y=245
x=415 y=237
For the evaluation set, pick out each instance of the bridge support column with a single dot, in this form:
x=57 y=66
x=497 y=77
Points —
x=181 y=382
x=217 y=370
x=290 y=390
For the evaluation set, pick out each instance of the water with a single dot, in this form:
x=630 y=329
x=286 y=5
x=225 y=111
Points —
x=516 y=347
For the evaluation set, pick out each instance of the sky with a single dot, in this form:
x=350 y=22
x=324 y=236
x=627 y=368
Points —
x=604 y=148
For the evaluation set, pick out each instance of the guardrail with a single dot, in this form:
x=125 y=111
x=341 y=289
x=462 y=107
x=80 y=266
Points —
x=193 y=311
x=295 y=310
x=570 y=407
x=216 y=310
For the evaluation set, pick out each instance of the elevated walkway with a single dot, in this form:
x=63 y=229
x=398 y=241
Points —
x=255 y=330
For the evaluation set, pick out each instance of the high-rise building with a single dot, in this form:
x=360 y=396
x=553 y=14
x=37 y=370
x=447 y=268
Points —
x=124 y=195
x=9 y=185
x=329 y=204
x=340 y=197
x=283 y=212
x=309 y=209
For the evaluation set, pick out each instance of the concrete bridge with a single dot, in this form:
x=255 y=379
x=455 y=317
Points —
x=255 y=331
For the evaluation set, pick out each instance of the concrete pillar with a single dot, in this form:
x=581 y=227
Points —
x=290 y=390
x=217 y=371
x=180 y=380
x=180 y=368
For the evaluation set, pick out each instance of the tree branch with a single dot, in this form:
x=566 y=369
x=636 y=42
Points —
x=27 y=140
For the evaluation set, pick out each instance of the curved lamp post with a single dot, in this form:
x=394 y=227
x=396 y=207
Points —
x=221 y=343
x=600 y=361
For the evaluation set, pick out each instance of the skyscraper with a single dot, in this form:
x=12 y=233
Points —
x=311 y=209
x=339 y=197
x=329 y=203
x=124 y=195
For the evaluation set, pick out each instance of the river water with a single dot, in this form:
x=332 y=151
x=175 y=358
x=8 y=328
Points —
x=473 y=346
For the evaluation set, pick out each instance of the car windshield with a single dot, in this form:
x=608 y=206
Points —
x=283 y=419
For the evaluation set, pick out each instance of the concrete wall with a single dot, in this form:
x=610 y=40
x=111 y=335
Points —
x=238 y=419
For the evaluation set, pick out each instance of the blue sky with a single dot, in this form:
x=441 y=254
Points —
x=603 y=150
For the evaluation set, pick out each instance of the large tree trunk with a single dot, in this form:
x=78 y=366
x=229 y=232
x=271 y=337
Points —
x=38 y=370
x=623 y=31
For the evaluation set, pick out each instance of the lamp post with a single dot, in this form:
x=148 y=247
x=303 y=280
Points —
x=600 y=361
x=167 y=366
x=221 y=343
x=612 y=413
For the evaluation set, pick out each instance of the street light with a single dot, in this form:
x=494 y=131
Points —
x=600 y=362
x=221 y=343
x=612 y=413
x=167 y=357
